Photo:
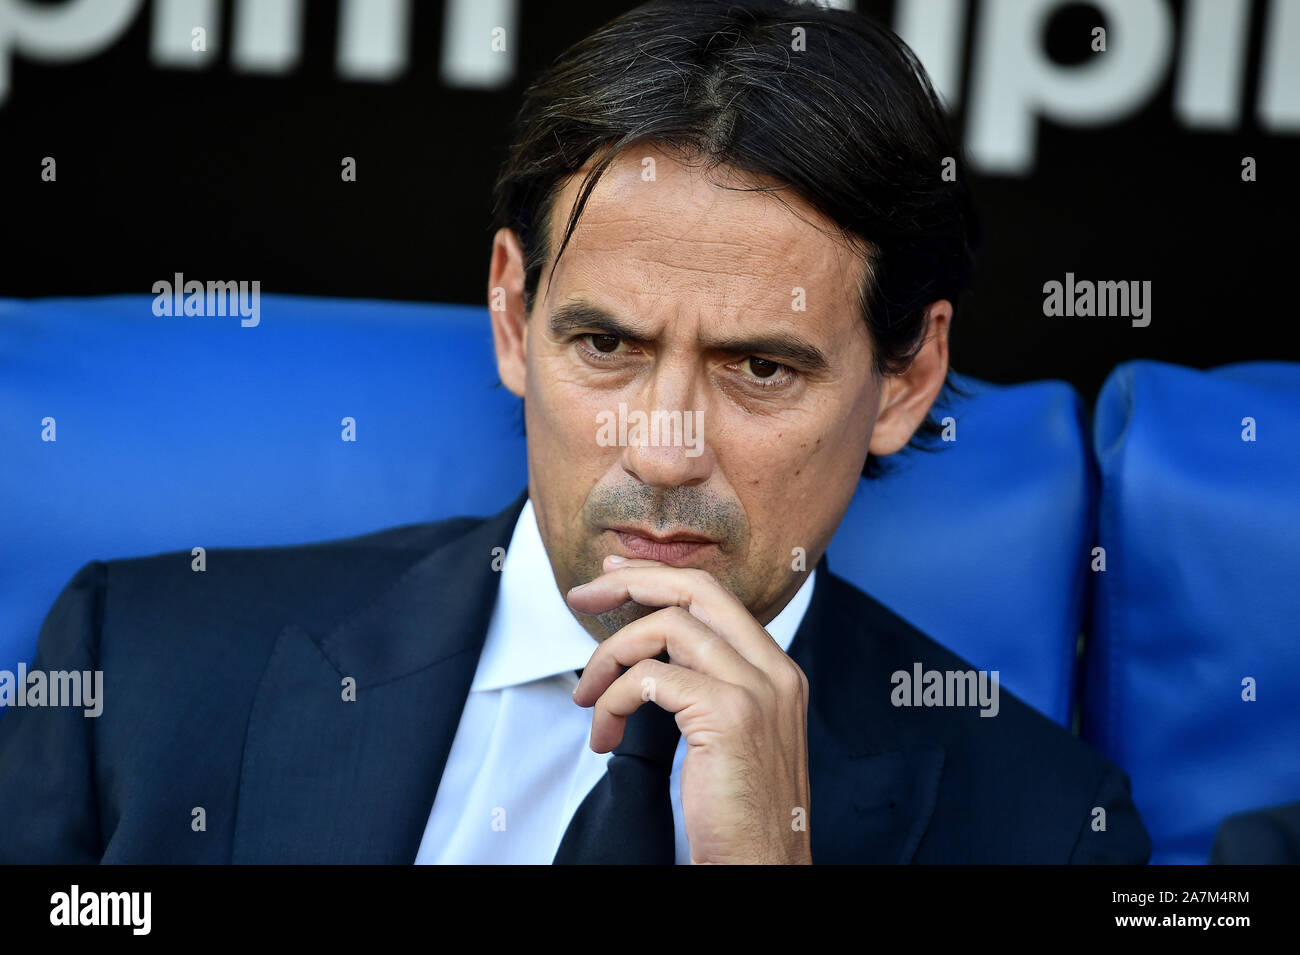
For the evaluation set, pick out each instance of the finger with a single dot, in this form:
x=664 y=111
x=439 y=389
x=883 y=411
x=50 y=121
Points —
x=695 y=591
x=687 y=640
x=648 y=683
x=615 y=561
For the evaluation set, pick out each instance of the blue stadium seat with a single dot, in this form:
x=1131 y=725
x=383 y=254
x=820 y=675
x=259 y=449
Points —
x=181 y=432
x=983 y=544
x=1202 y=536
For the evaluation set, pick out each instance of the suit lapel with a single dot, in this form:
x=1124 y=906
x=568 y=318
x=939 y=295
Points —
x=325 y=780
x=874 y=779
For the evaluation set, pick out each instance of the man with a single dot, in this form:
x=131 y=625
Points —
x=727 y=259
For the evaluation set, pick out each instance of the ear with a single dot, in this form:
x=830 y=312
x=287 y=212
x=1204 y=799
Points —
x=906 y=398
x=506 y=306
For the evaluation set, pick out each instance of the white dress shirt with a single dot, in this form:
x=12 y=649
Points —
x=521 y=762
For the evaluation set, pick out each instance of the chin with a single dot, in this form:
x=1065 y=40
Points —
x=618 y=618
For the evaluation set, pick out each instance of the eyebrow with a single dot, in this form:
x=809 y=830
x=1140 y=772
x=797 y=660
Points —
x=572 y=317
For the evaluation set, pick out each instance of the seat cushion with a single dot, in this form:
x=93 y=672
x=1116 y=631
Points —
x=1202 y=536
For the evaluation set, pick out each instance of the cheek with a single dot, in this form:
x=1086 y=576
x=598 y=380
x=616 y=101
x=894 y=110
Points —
x=562 y=416
x=849 y=435
x=810 y=447
x=795 y=474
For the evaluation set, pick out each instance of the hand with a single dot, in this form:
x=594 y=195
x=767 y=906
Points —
x=741 y=704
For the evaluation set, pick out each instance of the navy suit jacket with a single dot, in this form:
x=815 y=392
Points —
x=1259 y=837
x=223 y=705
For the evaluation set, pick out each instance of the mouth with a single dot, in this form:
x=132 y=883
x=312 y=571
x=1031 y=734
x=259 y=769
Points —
x=675 y=549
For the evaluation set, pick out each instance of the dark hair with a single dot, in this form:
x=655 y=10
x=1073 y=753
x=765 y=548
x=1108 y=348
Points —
x=850 y=123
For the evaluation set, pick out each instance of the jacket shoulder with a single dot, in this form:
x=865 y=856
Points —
x=261 y=589
x=1016 y=786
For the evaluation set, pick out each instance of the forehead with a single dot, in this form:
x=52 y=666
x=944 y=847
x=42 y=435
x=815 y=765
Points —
x=659 y=233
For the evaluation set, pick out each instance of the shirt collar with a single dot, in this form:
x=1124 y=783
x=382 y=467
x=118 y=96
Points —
x=533 y=634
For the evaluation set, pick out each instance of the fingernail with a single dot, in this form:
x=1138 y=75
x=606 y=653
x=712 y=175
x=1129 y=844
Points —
x=616 y=559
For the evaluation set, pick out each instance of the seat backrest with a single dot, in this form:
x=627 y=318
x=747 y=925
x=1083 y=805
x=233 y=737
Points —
x=177 y=432
x=1192 y=672
x=983 y=544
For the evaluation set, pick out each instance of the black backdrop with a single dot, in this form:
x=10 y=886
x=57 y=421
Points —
x=220 y=168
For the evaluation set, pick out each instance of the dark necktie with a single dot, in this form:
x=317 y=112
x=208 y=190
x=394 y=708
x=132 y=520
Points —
x=627 y=818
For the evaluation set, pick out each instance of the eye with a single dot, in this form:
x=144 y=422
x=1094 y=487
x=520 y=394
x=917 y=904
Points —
x=603 y=347
x=763 y=373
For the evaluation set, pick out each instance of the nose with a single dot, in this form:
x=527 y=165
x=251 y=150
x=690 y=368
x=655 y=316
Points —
x=666 y=438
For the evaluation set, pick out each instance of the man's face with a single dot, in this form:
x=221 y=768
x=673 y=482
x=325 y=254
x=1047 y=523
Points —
x=697 y=383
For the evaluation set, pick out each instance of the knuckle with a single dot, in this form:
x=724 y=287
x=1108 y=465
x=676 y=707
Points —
x=642 y=670
x=676 y=614
x=793 y=681
x=702 y=576
x=709 y=648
